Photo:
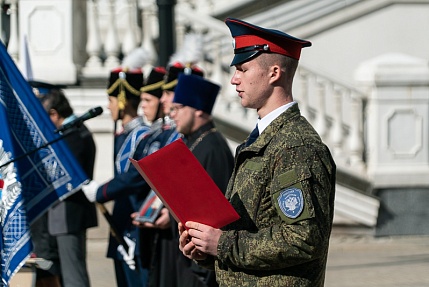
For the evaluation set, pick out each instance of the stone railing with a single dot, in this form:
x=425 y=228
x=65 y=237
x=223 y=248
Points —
x=376 y=128
x=115 y=28
x=336 y=111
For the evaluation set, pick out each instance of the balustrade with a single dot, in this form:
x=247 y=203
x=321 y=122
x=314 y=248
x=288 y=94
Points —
x=113 y=31
x=109 y=41
x=93 y=44
x=336 y=112
x=13 y=46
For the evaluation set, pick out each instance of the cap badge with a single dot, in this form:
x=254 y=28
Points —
x=36 y=92
x=187 y=71
x=291 y=202
x=263 y=48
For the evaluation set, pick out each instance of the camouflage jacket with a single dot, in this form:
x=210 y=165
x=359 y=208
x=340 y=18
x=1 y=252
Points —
x=283 y=187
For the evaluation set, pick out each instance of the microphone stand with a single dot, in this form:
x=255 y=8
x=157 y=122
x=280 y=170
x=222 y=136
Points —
x=64 y=135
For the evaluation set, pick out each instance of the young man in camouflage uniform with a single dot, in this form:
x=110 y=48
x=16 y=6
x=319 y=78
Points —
x=283 y=184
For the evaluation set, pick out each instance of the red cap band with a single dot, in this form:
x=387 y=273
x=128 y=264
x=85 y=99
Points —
x=293 y=50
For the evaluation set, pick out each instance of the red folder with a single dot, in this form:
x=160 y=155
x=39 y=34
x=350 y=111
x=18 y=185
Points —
x=184 y=186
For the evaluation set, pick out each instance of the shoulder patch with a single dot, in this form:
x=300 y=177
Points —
x=291 y=202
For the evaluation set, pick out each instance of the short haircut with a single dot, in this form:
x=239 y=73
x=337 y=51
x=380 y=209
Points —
x=287 y=64
x=56 y=100
x=133 y=102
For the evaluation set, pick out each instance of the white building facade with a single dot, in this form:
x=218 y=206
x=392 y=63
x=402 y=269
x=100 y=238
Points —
x=364 y=83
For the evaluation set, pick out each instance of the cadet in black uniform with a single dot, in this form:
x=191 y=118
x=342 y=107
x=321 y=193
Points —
x=126 y=187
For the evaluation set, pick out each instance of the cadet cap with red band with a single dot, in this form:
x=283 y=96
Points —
x=251 y=40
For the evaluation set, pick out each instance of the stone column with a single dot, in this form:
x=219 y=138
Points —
x=56 y=33
x=397 y=143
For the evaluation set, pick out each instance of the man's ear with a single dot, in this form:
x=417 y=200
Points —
x=275 y=73
x=199 y=113
x=55 y=117
x=53 y=113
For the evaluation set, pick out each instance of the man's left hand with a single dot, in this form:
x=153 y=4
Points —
x=90 y=190
x=162 y=222
x=203 y=238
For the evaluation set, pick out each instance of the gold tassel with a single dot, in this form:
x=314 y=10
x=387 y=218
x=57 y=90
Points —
x=122 y=99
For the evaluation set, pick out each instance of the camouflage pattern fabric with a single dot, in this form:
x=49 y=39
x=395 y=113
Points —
x=283 y=187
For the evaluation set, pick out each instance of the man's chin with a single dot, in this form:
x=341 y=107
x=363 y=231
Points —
x=244 y=104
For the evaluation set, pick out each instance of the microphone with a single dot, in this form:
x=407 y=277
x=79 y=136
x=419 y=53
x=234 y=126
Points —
x=92 y=113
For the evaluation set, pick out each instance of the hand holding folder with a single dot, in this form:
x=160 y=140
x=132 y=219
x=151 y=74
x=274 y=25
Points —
x=184 y=186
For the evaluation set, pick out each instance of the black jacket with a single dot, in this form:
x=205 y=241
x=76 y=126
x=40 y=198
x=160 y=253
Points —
x=76 y=213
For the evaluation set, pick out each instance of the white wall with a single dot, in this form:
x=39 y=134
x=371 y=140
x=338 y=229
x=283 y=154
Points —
x=395 y=29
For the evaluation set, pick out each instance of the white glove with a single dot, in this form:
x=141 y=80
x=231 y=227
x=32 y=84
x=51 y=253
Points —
x=90 y=190
x=128 y=257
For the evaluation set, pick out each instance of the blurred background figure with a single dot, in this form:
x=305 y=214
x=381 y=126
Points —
x=126 y=188
x=191 y=111
x=60 y=236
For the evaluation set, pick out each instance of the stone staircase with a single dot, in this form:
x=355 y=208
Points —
x=335 y=109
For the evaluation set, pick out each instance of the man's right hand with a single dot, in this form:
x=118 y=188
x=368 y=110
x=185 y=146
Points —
x=187 y=247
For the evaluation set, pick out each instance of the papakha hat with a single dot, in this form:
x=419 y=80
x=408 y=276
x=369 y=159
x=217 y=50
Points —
x=197 y=92
x=153 y=83
x=124 y=84
x=173 y=72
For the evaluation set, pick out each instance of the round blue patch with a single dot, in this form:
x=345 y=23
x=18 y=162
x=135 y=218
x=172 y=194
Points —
x=291 y=202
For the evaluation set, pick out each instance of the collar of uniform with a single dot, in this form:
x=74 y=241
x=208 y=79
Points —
x=156 y=125
x=274 y=126
x=137 y=121
x=265 y=121
x=168 y=123
x=193 y=137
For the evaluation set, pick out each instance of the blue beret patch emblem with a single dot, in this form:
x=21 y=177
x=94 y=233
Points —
x=291 y=202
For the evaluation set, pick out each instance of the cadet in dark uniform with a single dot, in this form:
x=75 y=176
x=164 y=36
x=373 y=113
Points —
x=191 y=110
x=192 y=106
x=171 y=80
x=157 y=237
x=126 y=187
x=162 y=130
x=169 y=268
x=69 y=219
x=283 y=184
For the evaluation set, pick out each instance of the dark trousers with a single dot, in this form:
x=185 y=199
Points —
x=125 y=277
x=72 y=253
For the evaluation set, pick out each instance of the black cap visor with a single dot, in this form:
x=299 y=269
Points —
x=244 y=57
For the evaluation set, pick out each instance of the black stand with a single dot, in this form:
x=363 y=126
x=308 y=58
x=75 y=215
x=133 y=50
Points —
x=64 y=135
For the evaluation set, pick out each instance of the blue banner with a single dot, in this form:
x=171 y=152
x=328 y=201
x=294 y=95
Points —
x=29 y=184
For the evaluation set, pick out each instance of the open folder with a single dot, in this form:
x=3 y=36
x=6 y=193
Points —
x=184 y=186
